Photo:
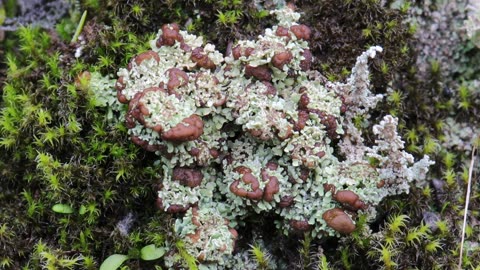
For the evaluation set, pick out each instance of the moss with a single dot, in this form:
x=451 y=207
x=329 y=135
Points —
x=57 y=149
x=343 y=29
x=219 y=21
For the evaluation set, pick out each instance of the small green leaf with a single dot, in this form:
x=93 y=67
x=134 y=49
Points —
x=150 y=252
x=79 y=27
x=82 y=210
x=113 y=262
x=62 y=208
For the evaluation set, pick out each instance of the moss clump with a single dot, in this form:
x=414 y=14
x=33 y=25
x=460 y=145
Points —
x=220 y=21
x=58 y=149
x=342 y=29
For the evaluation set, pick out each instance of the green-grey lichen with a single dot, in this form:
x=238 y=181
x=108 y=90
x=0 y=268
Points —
x=258 y=131
x=206 y=234
x=104 y=95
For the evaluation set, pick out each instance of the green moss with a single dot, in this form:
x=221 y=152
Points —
x=342 y=29
x=58 y=149
x=229 y=21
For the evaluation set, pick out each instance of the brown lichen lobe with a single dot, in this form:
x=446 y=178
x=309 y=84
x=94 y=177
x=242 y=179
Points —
x=172 y=208
x=273 y=186
x=300 y=225
x=281 y=58
x=146 y=56
x=201 y=59
x=187 y=176
x=189 y=129
x=338 y=220
x=349 y=198
x=301 y=31
x=176 y=78
x=170 y=34
x=248 y=178
x=262 y=72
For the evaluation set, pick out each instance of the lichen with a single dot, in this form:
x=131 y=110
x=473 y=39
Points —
x=287 y=145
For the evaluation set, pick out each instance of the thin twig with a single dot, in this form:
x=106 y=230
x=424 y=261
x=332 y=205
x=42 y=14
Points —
x=467 y=200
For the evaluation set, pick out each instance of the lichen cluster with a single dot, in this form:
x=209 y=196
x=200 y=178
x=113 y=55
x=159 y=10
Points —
x=258 y=131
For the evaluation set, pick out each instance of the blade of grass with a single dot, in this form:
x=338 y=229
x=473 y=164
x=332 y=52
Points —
x=467 y=200
x=79 y=27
